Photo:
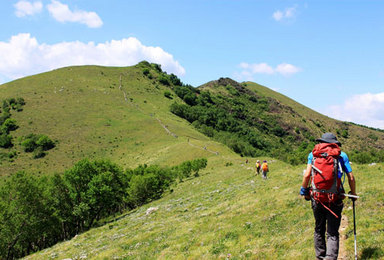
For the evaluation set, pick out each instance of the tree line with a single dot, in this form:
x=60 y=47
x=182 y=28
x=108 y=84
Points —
x=38 y=212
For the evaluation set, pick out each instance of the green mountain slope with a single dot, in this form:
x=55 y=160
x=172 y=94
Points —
x=254 y=120
x=351 y=135
x=99 y=112
x=124 y=114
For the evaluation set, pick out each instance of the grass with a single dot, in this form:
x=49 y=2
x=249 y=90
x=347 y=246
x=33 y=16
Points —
x=230 y=212
x=226 y=211
x=369 y=213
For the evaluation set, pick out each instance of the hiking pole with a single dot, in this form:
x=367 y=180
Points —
x=354 y=227
x=350 y=196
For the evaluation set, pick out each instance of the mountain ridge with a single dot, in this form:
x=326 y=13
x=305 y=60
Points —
x=81 y=107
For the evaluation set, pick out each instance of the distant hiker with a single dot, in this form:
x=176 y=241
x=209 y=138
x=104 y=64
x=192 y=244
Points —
x=258 y=167
x=264 y=169
x=326 y=164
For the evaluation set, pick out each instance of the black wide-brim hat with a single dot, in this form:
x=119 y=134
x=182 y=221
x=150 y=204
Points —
x=329 y=138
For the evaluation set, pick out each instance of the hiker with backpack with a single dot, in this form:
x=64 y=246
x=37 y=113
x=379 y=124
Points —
x=258 y=167
x=264 y=169
x=326 y=164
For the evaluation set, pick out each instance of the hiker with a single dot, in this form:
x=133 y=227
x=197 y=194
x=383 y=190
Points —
x=258 y=166
x=326 y=164
x=264 y=169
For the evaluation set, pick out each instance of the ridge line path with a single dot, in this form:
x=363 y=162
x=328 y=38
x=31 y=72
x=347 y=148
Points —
x=142 y=111
x=158 y=120
x=204 y=148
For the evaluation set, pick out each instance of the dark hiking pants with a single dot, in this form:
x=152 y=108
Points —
x=327 y=222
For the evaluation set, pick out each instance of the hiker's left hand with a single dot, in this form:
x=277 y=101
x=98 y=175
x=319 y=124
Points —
x=304 y=191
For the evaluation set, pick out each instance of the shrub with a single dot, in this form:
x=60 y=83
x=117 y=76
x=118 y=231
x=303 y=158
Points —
x=142 y=189
x=33 y=141
x=9 y=125
x=5 y=140
x=146 y=71
x=344 y=133
x=157 y=67
x=38 y=153
x=29 y=145
x=45 y=143
x=373 y=137
x=163 y=79
x=167 y=94
x=4 y=117
x=175 y=80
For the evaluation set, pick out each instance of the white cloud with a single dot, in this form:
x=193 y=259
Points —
x=287 y=69
x=288 y=13
x=260 y=68
x=23 y=55
x=278 y=15
x=62 y=13
x=249 y=70
x=24 y=8
x=366 y=109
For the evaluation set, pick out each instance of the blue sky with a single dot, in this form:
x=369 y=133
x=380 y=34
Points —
x=327 y=55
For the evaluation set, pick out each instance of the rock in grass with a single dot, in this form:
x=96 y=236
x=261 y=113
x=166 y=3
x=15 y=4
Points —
x=151 y=210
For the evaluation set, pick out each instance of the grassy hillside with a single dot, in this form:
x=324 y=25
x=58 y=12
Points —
x=99 y=112
x=351 y=135
x=228 y=212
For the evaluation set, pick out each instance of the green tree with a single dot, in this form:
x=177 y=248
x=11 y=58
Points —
x=96 y=189
x=26 y=219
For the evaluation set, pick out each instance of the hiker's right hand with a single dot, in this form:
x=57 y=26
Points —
x=350 y=193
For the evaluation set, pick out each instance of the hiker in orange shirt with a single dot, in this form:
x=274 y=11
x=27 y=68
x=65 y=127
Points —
x=264 y=169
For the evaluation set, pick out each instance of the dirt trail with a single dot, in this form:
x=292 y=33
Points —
x=142 y=111
x=343 y=228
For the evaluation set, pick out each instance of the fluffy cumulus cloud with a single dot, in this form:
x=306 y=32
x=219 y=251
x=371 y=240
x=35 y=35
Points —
x=62 y=13
x=366 y=109
x=250 y=70
x=288 y=13
x=23 y=55
x=25 y=8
